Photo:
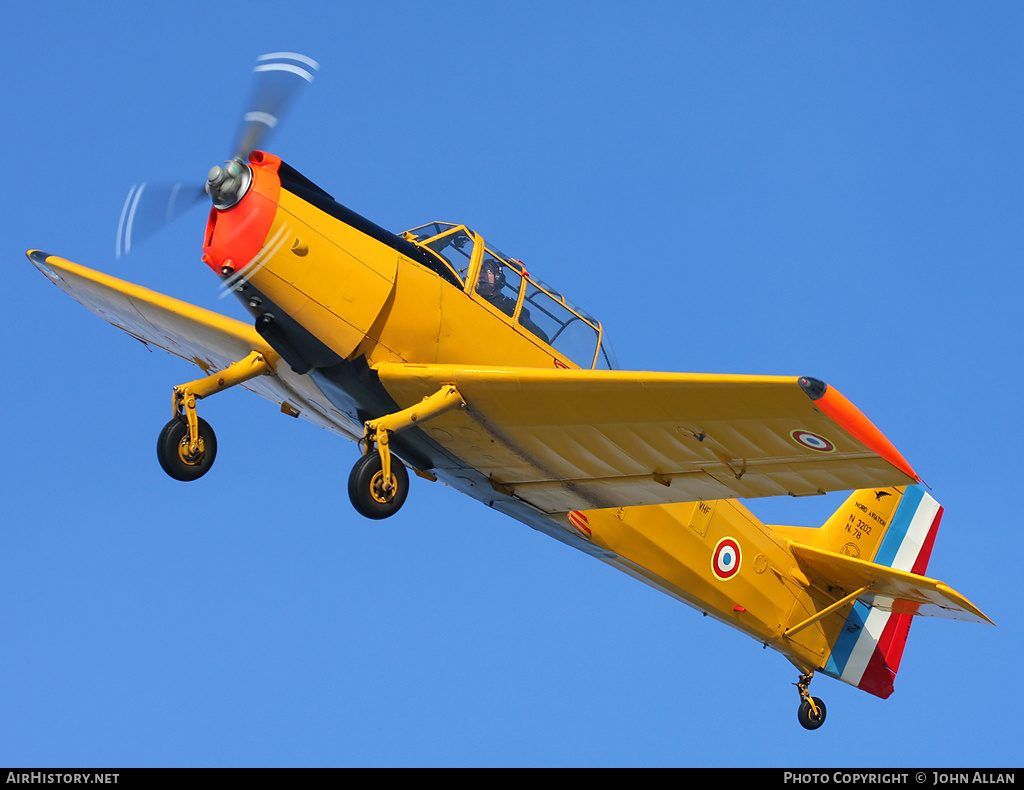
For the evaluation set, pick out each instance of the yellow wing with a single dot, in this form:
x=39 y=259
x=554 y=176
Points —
x=207 y=339
x=582 y=439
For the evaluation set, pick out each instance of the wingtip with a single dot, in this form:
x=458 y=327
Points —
x=40 y=261
x=850 y=418
x=815 y=388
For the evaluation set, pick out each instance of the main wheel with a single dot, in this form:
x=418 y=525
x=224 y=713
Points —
x=806 y=716
x=366 y=486
x=172 y=450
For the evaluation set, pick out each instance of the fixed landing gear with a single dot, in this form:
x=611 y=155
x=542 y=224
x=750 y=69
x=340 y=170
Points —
x=379 y=482
x=187 y=445
x=811 y=716
x=178 y=456
x=373 y=495
x=811 y=713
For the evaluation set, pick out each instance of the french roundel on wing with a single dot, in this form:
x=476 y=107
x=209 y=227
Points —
x=725 y=562
x=812 y=441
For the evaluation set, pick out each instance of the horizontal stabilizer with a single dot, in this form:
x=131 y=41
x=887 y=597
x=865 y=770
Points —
x=889 y=590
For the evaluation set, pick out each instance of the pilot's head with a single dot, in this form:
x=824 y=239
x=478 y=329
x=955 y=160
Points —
x=491 y=280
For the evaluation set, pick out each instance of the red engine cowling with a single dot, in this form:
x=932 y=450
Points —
x=235 y=236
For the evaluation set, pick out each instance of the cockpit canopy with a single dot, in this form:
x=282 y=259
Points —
x=506 y=285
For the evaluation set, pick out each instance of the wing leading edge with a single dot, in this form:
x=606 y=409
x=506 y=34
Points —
x=583 y=439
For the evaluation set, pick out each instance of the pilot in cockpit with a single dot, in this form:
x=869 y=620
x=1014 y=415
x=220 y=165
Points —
x=491 y=284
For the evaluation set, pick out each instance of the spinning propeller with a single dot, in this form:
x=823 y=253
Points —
x=150 y=207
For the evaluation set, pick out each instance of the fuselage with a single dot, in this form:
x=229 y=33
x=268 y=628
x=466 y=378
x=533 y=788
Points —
x=336 y=295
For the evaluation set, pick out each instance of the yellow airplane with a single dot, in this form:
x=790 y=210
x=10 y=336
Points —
x=435 y=351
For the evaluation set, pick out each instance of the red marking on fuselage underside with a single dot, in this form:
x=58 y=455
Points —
x=579 y=521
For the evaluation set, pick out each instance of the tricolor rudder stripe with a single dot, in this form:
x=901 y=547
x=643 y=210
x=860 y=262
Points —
x=869 y=648
x=907 y=545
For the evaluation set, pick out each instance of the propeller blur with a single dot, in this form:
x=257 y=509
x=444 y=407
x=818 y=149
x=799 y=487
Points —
x=149 y=207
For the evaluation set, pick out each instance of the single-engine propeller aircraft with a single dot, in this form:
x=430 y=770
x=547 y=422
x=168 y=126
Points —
x=434 y=350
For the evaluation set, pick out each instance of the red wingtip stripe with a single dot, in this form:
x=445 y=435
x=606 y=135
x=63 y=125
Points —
x=853 y=421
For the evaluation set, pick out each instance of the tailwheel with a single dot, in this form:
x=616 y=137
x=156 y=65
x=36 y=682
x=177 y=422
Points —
x=811 y=717
x=176 y=453
x=811 y=713
x=373 y=496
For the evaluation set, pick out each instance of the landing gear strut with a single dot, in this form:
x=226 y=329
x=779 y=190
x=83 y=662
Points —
x=812 y=710
x=379 y=482
x=187 y=445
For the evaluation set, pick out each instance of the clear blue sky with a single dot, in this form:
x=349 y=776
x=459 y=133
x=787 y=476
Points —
x=806 y=188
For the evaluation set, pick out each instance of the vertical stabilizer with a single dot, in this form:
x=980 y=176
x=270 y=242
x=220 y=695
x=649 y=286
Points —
x=894 y=527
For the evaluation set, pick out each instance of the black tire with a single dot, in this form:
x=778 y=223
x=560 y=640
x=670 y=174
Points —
x=806 y=716
x=364 y=486
x=172 y=450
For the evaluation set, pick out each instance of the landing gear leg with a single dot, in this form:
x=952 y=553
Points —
x=812 y=710
x=187 y=445
x=379 y=482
